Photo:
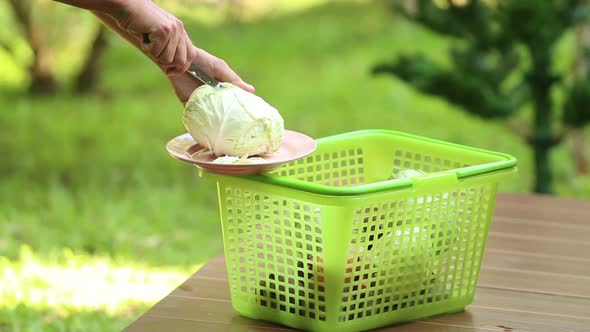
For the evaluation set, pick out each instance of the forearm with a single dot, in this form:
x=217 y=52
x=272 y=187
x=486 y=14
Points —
x=111 y=7
x=111 y=23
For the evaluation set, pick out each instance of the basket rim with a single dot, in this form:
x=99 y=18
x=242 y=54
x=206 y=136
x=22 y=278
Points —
x=507 y=163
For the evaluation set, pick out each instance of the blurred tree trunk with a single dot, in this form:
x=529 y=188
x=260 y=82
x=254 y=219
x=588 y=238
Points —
x=540 y=81
x=580 y=70
x=89 y=76
x=42 y=79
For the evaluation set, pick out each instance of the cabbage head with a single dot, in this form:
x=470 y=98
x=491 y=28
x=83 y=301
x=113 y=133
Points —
x=230 y=121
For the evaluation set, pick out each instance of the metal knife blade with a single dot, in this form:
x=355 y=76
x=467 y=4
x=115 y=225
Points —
x=196 y=72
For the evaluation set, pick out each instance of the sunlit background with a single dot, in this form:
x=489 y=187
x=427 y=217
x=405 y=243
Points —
x=97 y=222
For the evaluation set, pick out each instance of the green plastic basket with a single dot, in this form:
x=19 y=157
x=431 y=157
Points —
x=329 y=243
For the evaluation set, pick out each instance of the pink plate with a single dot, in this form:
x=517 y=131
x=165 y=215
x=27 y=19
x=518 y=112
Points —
x=295 y=146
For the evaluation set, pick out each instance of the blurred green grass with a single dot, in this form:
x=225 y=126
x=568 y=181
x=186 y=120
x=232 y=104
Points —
x=90 y=173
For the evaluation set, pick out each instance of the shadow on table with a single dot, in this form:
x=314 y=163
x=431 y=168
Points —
x=450 y=322
x=245 y=324
x=456 y=322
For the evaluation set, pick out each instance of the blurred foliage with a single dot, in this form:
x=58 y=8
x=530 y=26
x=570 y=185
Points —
x=212 y=12
x=37 y=42
x=91 y=173
x=74 y=292
x=500 y=63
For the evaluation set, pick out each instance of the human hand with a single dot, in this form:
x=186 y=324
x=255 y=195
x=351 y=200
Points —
x=184 y=85
x=219 y=69
x=161 y=35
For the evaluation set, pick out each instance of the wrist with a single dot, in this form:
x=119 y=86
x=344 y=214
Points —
x=119 y=9
x=110 y=6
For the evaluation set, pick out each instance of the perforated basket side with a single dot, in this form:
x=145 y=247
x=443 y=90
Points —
x=421 y=251
x=322 y=260
x=336 y=168
x=365 y=162
x=274 y=251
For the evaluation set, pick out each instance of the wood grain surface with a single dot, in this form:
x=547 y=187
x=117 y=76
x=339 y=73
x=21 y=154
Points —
x=535 y=276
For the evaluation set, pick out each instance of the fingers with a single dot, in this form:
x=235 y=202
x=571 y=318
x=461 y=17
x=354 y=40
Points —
x=191 y=52
x=166 y=41
x=167 y=57
x=154 y=44
x=184 y=57
x=224 y=73
x=155 y=26
x=161 y=35
x=220 y=70
x=171 y=48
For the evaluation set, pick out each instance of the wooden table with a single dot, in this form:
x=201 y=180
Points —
x=535 y=277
